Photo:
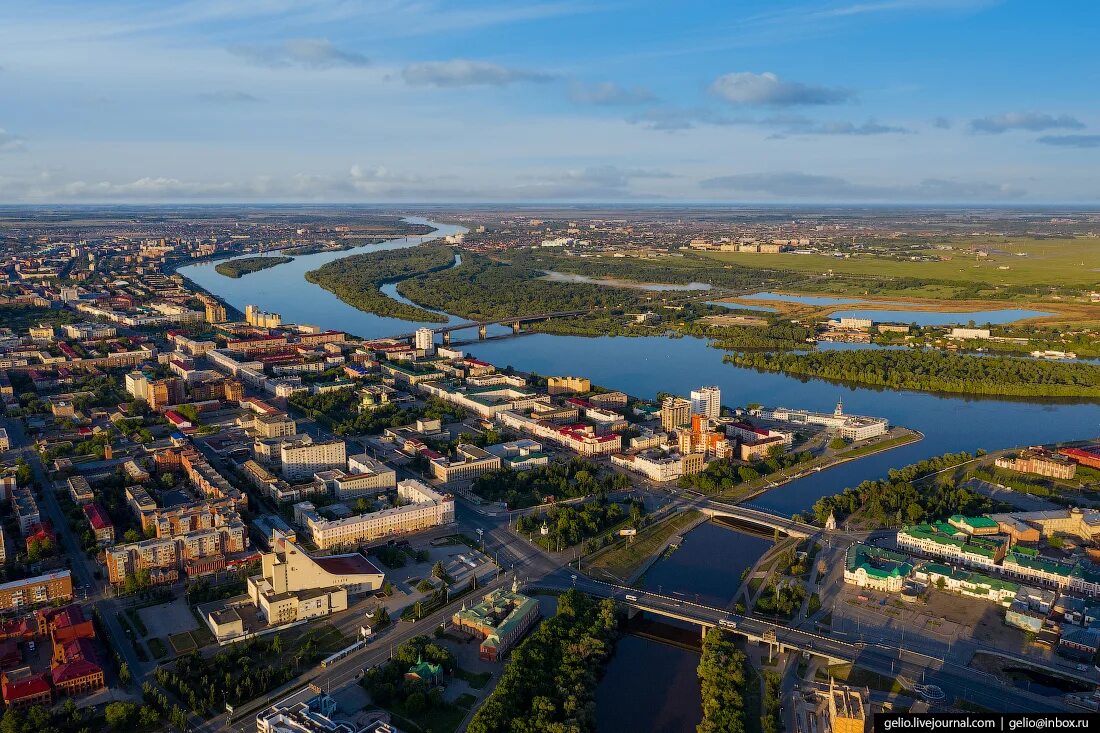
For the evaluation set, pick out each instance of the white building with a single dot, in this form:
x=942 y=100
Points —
x=424 y=339
x=706 y=401
x=425 y=508
x=301 y=459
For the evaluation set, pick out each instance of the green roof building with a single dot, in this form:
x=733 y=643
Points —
x=500 y=619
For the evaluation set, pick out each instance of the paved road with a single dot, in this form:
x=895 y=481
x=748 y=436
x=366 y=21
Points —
x=892 y=660
x=83 y=568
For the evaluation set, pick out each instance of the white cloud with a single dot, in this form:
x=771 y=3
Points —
x=1033 y=121
x=10 y=143
x=805 y=186
x=227 y=97
x=308 y=53
x=609 y=93
x=466 y=72
x=767 y=89
x=1071 y=141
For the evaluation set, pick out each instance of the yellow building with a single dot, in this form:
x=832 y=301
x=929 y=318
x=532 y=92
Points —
x=564 y=385
x=846 y=713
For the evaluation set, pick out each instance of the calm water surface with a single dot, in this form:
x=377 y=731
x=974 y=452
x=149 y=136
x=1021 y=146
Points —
x=643 y=366
x=712 y=559
x=942 y=318
x=707 y=567
x=649 y=686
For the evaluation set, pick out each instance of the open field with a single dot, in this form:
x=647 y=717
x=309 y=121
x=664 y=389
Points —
x=1062 y=312
x=1059 y=262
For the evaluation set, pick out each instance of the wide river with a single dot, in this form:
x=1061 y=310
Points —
x=646 y=365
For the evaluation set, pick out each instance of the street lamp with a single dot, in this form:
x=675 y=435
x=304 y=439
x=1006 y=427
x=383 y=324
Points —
x=481 y=536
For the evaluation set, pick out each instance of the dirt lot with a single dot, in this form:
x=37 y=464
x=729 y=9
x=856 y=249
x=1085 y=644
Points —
x=168 y=618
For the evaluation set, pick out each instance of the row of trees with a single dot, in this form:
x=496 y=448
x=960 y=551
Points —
x=550 y=681
x=935 y=371
x=388 y=687
x=357 y=280
x=339 y=410
x=897 y=500
x=722 y=475
x=568 y=525
x=722 y=682
x=236 y=674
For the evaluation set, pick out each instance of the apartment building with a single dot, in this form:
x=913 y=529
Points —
x=657 y=465
x=707 y=401
x=567 y=385
x=80 y=490
x=425 y=508
x=37 y=591
x=159 y=556
x=365 y=476
x=25 y=508
x=468 y=463
x=299 y=460
x=675 y=411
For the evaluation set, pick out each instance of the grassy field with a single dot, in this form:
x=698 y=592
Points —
x=859 y=677
x=1065 y=262
x=624 y=559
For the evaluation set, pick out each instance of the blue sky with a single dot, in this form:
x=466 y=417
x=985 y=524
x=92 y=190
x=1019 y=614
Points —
x=921 y=101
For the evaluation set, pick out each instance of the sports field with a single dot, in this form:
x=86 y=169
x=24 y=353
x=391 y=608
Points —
x=1059 y=262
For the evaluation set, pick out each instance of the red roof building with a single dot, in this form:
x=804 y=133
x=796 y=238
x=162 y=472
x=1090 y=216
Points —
x=78 y=677
x=41 y=532
x=1082 y=456
x=101 y=524
x=26 y=691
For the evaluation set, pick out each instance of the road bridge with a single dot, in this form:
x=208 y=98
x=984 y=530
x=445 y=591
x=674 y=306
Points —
x=758 y=517
x=516 y=322
x=779 y=638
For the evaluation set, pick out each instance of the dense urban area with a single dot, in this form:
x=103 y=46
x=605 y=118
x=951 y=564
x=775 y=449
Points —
x=321 y=469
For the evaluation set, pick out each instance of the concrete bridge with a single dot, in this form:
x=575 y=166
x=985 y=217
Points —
x=758 y=517
x=482 y=327
x=778 y=638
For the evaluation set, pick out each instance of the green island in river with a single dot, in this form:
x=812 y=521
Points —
x=245 y=265
x=935 y=371
x=357 y=280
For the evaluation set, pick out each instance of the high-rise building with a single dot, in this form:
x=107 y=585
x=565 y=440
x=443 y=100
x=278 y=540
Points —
x=253 y=316
x=675 y=411
x=424 y=340
x=215 y=312
x=706 y=401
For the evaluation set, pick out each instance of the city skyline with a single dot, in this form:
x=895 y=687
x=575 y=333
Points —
x=898 y=101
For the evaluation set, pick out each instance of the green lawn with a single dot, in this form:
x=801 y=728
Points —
x=476 y=680
x=859 y=677
x=1066 y=262
x=623 y=559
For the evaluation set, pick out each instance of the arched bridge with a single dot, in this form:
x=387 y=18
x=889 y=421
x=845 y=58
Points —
x=758 y=517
